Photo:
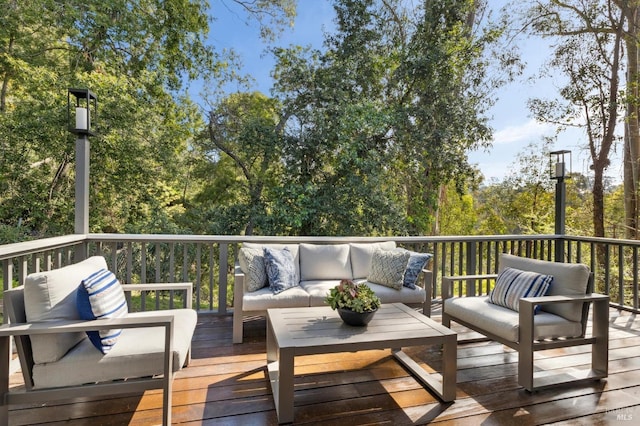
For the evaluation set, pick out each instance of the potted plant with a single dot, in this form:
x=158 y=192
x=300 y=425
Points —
x=356 y=303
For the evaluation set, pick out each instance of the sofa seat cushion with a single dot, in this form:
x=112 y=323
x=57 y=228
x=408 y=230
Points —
x=503 y=322
x=51 y=296
x=318 y=290
x=264 y=299
x=325 y=262
x=361 y=254
x=404 y=295
x=139 y=353
x=569 y=279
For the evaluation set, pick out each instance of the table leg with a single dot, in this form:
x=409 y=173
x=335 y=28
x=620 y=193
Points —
x=285 y=386
x=449 y=367
x=272 y=348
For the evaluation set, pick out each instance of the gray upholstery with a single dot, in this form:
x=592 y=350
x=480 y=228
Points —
x=561 y=322
x=139 y=352
x=321 y=267
x=504 y=322
x=152 y=346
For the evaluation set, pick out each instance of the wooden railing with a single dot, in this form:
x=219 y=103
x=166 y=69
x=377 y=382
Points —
x=208 y=261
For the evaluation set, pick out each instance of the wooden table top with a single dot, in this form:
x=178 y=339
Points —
x=320 y=329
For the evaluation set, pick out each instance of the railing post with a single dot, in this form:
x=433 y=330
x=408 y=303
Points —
x=471 y=267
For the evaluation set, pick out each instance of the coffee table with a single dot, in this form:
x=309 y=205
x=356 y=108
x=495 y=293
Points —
x=319 y=330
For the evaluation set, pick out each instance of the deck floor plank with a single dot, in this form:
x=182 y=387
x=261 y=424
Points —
x=227 y=384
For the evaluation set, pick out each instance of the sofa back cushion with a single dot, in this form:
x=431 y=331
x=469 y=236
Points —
x=324 y=262
x=569 y=279
x=51 y=296
x=361 y=254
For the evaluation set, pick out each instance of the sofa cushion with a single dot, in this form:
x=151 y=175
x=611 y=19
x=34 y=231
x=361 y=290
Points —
x=514 y=284
x=51 y=296
x=361 y=254
x=324 y=262
x=139 y=353
x=387 y=267
x=405 y=295
x=293 y=248
x=280 y=270
x=417 y=262
x=100 y=296
x=503 y=322
x=252 y=264
x=264 y=299
x=569 y=279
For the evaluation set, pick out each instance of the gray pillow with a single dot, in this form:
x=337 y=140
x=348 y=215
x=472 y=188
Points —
x=252 y=264
x=281 y=271
x=415 y=265
x=387 y=268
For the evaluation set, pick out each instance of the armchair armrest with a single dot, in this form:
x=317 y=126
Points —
x=53 y=327
x=186 y=287
x=447 y=283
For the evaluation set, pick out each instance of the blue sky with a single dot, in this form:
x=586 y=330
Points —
x=513 y=126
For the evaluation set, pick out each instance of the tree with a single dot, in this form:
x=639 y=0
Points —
x=386 y=113
x=136 y=56
x=589 y=53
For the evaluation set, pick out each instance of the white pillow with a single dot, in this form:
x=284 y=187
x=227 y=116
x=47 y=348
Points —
x=324 y=262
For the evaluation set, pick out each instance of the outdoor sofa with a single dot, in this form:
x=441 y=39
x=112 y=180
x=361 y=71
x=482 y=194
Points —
x=396 y=275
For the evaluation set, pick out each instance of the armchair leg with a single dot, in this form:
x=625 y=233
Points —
x=525 y=347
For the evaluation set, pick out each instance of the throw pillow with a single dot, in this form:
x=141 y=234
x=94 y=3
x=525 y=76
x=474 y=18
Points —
x=514 y=284
x=252 y=264
x=281 y=271
x=415 y=265
x=99 y=296
x=387 y=268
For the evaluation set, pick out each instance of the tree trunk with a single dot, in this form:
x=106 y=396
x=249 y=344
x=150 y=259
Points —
x=632 y=129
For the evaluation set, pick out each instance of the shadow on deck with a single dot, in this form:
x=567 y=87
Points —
x=227 y=384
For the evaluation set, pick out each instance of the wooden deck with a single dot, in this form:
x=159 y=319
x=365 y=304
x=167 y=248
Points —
x=227 y=384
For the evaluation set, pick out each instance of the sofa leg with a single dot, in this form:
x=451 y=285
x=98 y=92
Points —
x=237 y=327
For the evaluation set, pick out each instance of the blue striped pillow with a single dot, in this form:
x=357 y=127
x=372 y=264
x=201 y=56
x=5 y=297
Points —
x=100 y=295
x=514 y=284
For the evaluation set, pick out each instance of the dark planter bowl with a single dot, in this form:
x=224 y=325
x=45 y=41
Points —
x=355 y=318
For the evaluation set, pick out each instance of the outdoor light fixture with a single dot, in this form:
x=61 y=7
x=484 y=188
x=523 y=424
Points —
x=85 y=106
x=558 y=171
x=558 y=163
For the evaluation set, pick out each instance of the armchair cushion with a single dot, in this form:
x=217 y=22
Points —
x=101 y=296
x=387 y=268
x=514 y=284
x=280 y=269
x=569 y=279
x=51 y=296
x=504 y=322
x=139 y=353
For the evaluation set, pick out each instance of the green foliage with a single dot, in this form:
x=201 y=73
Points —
x=356 y=297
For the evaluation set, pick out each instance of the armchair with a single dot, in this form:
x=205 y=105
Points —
x=560 y=322
x=150 y=349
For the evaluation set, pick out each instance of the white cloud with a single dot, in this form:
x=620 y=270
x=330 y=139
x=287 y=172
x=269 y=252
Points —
x=528 y=131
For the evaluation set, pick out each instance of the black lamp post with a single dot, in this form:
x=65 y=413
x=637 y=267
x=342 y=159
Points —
x=84 y=106
x=558 y=171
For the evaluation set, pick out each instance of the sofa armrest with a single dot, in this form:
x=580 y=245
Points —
x=186 y=287
x=447 y=283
